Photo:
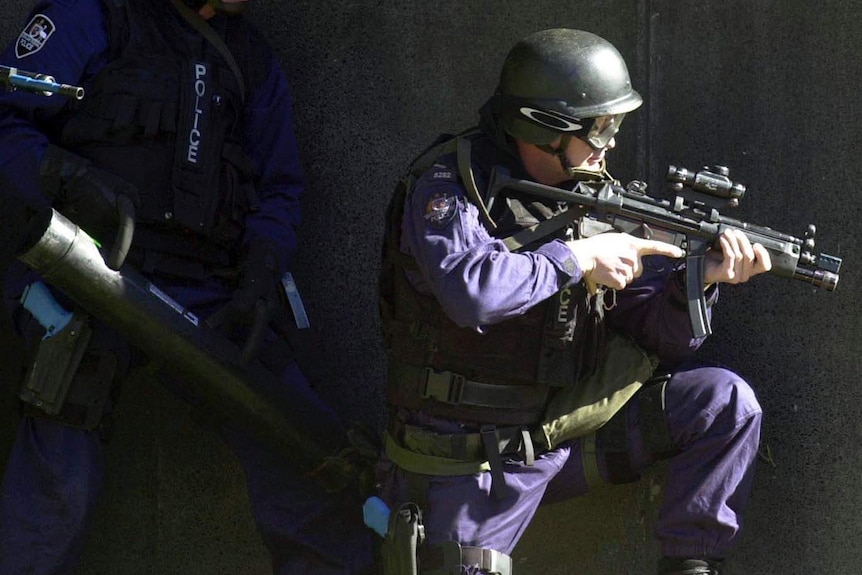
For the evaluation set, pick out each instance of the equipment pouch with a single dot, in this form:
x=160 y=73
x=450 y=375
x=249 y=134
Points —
x=579 y=410
x=400 y=548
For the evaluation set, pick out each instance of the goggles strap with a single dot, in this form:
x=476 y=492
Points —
x=560 y=152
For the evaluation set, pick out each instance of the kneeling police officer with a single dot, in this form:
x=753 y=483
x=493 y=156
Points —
x=523 y=357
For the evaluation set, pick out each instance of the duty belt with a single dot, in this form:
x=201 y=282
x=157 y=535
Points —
x=466 y=446
x=441 y=559
x=419 y=450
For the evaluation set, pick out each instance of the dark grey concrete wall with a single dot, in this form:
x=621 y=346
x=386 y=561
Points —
x=767 y=88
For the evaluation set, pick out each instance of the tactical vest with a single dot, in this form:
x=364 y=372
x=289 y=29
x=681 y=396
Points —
x=508 y=373
x=166 y=114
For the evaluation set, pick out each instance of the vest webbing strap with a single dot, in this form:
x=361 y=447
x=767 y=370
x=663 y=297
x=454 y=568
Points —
x=202 y=26
x=455 y=389
x=421 y=463
x=589 y=461
x=464 y=446
x=539 y=231
x=465 y=170
x=520 y=239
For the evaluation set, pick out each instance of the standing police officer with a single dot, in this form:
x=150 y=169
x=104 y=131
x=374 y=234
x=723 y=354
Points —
x=522 y=357
x=188 y=116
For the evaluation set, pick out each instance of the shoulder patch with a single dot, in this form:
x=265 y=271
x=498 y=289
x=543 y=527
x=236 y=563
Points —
x=34 y=36
x=440 y=209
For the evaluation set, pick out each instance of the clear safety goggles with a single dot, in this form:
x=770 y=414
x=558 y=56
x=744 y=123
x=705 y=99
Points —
x=602 y=130
x=597 y=132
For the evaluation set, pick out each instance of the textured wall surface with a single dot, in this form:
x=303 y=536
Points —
x=766 y=88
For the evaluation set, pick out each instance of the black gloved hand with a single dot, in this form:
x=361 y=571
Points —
x=259 y=277
x=85 y=194
x=257 y=299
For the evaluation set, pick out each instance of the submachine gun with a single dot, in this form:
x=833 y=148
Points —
x=691 y=221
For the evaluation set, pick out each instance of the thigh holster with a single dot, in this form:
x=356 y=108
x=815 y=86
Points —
x=404 y=551
x=87 y=390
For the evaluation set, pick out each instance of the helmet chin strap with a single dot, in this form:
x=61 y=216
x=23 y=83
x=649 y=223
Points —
x=559 y=152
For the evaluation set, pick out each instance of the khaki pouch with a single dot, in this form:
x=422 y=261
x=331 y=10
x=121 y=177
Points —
x=585 y=407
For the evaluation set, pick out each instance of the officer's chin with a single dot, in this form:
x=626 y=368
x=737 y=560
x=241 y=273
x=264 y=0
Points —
x=231 y=9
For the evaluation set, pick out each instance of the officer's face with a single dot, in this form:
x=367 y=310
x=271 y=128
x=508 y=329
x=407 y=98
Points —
x=583 y=156
x=546 y=168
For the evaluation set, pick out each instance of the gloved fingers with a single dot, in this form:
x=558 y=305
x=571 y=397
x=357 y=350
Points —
x=281 y=320
x=242 y=311
x=223 y=316
x=263 y=311
x=107 y=185
x=131 y=192
x=125 y=233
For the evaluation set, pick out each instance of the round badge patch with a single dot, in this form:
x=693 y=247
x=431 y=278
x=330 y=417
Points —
x=440 y=209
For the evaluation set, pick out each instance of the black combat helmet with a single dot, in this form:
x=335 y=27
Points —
x=565 y=82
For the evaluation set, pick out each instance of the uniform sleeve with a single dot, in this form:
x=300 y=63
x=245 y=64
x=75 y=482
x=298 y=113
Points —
x=66 y=39
x=270 y=141
x=654 y=311
x=476 y=279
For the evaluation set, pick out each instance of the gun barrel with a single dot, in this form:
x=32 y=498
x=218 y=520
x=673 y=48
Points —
x=818 y=278
x=39 y=83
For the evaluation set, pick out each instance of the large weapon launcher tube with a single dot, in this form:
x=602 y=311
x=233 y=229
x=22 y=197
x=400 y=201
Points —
x=203 y=361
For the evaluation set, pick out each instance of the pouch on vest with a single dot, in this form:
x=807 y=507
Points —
x=581 y=409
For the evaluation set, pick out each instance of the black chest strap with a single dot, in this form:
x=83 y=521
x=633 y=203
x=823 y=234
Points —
x=203 y=27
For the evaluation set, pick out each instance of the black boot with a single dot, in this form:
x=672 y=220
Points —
x=680 y=566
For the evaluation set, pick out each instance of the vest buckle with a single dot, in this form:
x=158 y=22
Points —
x=444 y=386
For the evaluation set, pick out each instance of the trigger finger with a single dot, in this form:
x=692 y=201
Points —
x=637 y=268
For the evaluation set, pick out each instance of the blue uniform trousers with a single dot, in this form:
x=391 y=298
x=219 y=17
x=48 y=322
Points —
x=714 y=420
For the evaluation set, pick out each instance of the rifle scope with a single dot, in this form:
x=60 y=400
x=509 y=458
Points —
x=713 y=181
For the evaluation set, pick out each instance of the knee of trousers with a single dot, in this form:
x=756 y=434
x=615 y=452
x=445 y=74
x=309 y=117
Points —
x=708 y=399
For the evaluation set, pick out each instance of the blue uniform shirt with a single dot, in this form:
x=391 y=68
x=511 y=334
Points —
x=478 y=281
